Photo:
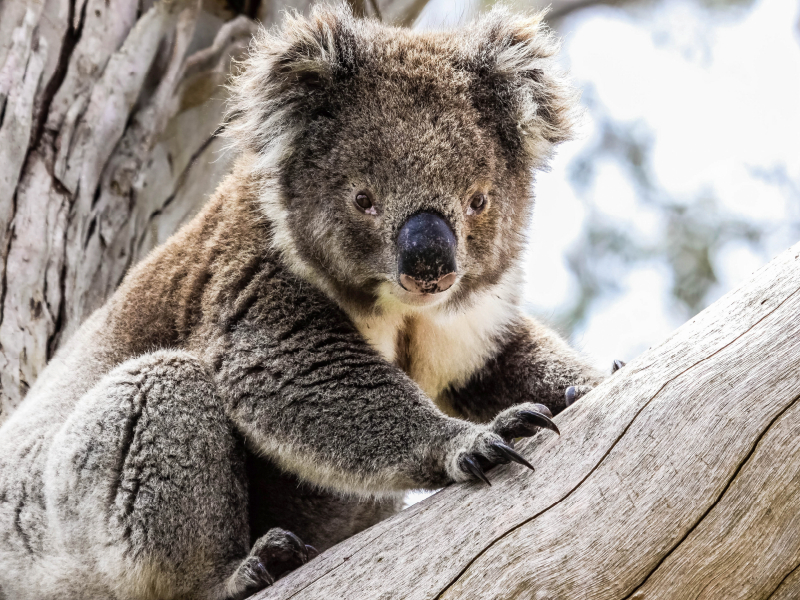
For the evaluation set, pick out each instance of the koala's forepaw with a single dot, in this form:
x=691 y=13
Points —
x=494 y=446
x=253 y=576
x=275 y=553
x=281 y=551
x=494 y=452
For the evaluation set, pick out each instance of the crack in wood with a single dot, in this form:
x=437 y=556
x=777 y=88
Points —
x=611 y=447
x=4 y=277
x=54 y=339
x=782 y=581
x=719 y=498
x=71 y=39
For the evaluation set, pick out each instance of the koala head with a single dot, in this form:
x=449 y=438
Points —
x=396 y=166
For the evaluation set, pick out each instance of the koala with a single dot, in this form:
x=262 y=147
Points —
x=341 y=323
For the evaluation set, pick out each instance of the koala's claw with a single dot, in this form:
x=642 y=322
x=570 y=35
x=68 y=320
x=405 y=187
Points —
x=575 y=392
x=617 y=365
x=539 y=420
x=298 y=544
x=511 y=454
x=311 y=552
x=470 y=464
x=542 y=409
x=250 y=577
x=497 y=452
x=571 y=395
x=522 y=421
x=261 y=572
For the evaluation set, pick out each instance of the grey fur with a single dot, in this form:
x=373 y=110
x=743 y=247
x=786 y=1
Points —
x=262 y=372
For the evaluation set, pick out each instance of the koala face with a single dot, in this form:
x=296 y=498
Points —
x=398 y=191
x=399 y=163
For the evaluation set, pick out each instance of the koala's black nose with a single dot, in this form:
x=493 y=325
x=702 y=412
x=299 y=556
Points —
x=426 y=254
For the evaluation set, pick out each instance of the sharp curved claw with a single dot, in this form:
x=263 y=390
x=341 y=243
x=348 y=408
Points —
x=471 y=465
x=571 y=395
x=543 y=409
x=618 y=364
x=296 y=542
x=538 y=419
x=262 y=572
x=511 y=454
x=311 y=551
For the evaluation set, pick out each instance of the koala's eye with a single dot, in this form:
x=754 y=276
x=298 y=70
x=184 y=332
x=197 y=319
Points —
x=364 y=202
x=476 y=204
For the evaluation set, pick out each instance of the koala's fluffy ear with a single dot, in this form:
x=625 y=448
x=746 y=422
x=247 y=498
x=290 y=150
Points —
x=518 y=86
x=286 y=79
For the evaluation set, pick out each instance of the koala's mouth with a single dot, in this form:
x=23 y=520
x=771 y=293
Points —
x=417 y=299
x=423 y=286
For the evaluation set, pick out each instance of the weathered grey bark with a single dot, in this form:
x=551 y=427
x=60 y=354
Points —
x=679 y=477
x=108 y=113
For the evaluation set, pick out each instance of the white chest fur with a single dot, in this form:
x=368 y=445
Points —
x=437 y=347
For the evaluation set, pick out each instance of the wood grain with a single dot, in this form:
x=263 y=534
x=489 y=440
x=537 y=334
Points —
x=676 y=478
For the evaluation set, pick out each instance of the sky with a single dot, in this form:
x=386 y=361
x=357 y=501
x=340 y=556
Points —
x=721 y=95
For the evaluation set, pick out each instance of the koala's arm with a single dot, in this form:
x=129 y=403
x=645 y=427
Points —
x=533 y=364
x=304 y=388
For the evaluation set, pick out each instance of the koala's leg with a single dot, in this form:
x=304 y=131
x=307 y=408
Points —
x=145 y=482
x=533 y=365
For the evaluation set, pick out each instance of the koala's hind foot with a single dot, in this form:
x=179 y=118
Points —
x=275 y=553
x=494 y=445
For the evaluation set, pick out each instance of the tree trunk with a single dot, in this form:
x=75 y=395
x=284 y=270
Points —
x=108 y=113
x=679 y=477
x=106 y=145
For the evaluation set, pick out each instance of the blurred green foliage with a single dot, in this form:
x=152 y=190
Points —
x=691 y=232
